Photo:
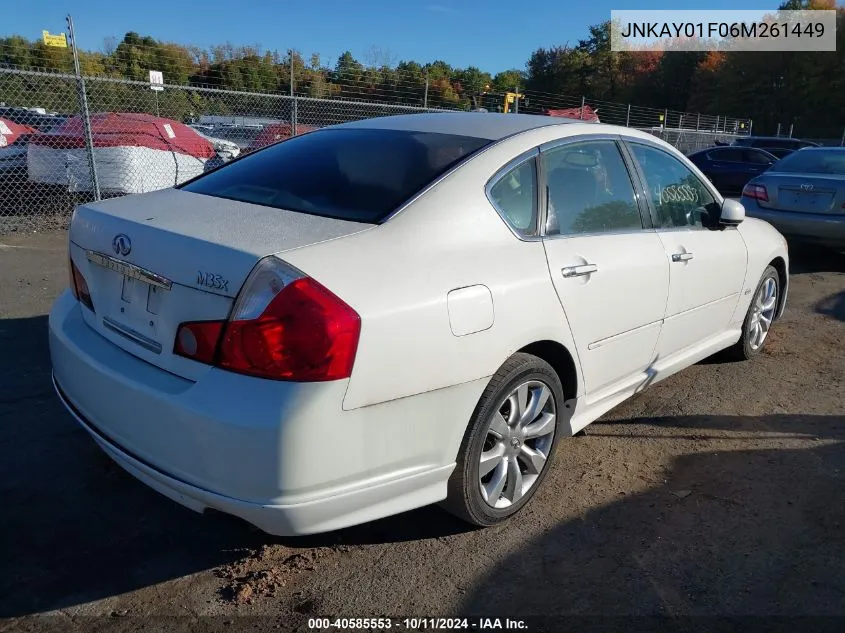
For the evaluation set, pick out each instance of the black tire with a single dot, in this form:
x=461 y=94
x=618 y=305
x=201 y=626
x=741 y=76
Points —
x=742 y=349
x=464 y=491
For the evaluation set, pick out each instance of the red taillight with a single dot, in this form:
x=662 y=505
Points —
x=284 y=326
x=79 y=287
x=758 y=192
x=198 y=340
x=306 y=334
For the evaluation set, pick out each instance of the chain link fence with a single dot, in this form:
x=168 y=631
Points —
x=133 y=139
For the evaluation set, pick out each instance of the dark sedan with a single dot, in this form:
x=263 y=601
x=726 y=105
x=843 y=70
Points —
x=729 y=168
x=803 y=195
x=777 y=145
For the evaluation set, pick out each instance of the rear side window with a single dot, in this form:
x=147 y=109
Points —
x=515 y=195
x=727 y=155
x=351 y=174
x=589 y=190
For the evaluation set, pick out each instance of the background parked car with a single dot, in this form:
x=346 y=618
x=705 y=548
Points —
x=37 y=118
x=134 y=153
x=13 y=139
x=803 y=195
x=277 y=132
x=730 y=168
x=776 y=145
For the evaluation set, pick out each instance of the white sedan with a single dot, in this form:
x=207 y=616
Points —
x=400 y=311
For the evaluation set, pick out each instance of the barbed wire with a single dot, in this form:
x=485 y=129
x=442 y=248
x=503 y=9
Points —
x=217 y=67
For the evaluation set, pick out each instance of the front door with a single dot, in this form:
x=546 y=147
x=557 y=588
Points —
x=706 y=262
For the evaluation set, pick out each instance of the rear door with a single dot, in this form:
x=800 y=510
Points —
x=726 y=167
x=608 y=267
x=707 y=263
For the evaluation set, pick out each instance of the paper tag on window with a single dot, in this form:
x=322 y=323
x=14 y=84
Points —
x=4 y=129
x=169 y=130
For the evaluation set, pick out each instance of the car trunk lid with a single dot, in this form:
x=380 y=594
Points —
x=154 y=261
x=804 y=193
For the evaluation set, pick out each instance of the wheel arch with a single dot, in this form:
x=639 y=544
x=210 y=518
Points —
x=779 y=265
x=561 y=360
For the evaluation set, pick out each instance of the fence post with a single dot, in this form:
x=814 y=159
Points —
x=425 y=94
x=698 y=122
x=778 y=132
x=293 y=112
x=750 y=126
x=790 y=129
x=842 y=142
x=516 y=100
x=582 y=108
x=628 y=117
x=665 y=118
x=86 y=117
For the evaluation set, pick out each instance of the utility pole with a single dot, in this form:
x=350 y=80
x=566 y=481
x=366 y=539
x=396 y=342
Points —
x=293 y=97
x=83 y=103
x=425 y=94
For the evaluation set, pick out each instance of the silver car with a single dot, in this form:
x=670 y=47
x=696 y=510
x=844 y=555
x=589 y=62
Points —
x=803 y=195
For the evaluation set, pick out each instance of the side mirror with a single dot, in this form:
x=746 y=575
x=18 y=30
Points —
x=732 y=212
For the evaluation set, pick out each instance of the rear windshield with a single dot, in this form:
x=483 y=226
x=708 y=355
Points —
x=351 y=174
x=813 y=161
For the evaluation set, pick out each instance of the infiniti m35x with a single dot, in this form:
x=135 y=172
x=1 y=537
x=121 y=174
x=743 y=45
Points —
x=400 y=311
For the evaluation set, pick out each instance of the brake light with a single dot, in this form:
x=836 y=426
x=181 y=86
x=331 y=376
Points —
x=284 y=326
x=79 y=287
x=758 y=192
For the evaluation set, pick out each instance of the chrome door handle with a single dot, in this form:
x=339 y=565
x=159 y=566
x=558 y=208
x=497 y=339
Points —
x=579 y=271
x=681 y=257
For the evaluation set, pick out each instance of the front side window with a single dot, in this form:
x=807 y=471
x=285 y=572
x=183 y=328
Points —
x=589 y=189
x=678 y=197
x=515 y=195
x=351 y=174
x=757 y=158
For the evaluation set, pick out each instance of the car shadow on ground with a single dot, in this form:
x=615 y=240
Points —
x=809 y=258
x=731 y=532
x=833 y=306
x=77 y=528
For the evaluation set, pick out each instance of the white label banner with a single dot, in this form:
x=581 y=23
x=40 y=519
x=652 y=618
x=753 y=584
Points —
x=711 y=30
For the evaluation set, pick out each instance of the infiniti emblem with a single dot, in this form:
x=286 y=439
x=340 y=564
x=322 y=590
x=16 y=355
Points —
x=807 y=187
x=121 y=244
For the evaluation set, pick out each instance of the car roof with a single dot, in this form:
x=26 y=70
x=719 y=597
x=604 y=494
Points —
x=489 y=125
x=827 y=148
x=782 y=139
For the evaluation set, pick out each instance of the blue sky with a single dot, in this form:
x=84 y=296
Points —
x=491 y=34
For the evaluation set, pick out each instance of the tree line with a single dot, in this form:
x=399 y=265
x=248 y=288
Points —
x=800 y=88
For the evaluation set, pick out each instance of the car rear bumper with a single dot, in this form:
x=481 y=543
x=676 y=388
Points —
x=283 y=456
x=816 y=227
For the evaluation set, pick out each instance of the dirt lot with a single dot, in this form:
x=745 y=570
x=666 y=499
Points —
x=718 y=491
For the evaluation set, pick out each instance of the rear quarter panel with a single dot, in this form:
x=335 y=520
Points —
x=398 y=276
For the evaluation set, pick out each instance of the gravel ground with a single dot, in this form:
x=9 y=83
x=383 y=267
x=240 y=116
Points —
x=720 y=491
